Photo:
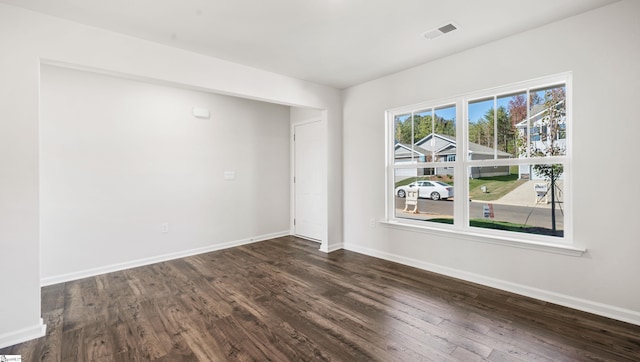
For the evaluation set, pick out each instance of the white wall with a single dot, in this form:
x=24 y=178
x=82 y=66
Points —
x=299 y=114
x=27 y=38
x=601 y=47
x=118 y=158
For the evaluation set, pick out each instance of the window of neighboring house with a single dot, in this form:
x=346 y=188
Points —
x=535 y=133
x=507 y=164
x=449 y=158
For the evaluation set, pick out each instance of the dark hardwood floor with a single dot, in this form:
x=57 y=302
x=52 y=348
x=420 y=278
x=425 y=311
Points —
x=282 y=300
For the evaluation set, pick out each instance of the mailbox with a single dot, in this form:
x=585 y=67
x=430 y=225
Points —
x=541 y=192
x=411 y=199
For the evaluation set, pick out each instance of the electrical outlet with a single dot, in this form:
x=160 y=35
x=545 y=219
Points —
x=164 y=227
x=373 y=222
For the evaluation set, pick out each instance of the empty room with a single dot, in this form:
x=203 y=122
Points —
x=340 y=180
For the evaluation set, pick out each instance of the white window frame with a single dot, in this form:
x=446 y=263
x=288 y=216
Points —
x=462 y=166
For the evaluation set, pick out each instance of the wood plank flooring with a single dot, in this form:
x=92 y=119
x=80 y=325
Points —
x=282 y=300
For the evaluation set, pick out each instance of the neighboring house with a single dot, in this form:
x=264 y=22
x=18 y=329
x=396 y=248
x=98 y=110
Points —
x=539 y=137
x=441 y=148
x=404 y=153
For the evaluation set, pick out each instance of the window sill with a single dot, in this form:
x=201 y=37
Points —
x=555 y=248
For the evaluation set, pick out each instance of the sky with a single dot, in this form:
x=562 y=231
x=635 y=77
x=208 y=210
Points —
x=448 y=112
x=477 y=109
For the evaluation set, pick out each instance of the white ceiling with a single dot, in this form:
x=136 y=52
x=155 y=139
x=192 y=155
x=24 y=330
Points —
x=334 y=42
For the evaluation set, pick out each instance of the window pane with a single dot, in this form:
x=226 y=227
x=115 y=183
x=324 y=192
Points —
x=422 y=132
x=481 y=129
x=510 y=202
x=547 y=125
x=445 y=134
x=512 y=115
x=424 y=194
x=445 y=123
x=403 y=131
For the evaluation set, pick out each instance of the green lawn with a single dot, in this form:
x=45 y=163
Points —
x=496 y=187
x=447 y=179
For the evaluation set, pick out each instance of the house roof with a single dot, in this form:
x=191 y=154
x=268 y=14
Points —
x=450 y=145
x=416 y=149
x=479 y=150
x=441 y=142
x=537 y=112
x=484 y=150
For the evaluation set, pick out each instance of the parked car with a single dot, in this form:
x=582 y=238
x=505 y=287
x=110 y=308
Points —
x=435 y=190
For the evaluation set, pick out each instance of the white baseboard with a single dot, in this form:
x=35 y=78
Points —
x=155 y=259
x=325 y=248
x=334 y=247
x=23 y=335
x=601 y=309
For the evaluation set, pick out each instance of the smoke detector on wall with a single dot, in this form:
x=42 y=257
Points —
x=441 y=30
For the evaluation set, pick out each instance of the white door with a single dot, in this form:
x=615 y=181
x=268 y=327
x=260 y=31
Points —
x=308 y=175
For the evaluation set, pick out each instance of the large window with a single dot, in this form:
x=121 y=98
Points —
x=502 y=172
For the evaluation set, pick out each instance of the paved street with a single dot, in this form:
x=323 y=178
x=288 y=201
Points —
x=537 y=215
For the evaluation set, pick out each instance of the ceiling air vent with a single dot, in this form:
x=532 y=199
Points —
x=441 y=30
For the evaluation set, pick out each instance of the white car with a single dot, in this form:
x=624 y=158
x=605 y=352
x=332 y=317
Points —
x=435 y=190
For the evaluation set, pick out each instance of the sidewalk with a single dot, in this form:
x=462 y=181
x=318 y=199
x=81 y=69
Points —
x=524 y=195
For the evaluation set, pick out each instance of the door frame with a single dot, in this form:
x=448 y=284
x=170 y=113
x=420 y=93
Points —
x=323 y=171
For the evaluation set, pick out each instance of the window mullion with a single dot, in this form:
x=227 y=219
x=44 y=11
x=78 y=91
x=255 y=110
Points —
x=460 y=212
x=413 y=134
x=495 y=127
x=528 y=129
